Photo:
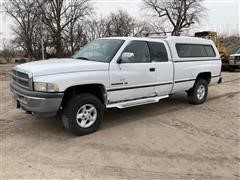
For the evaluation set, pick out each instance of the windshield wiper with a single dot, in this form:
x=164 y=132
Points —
x=84 y=58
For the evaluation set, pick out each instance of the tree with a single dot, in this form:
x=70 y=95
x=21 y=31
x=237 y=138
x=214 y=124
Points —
x=119 y=24
x=19 y=41
x=58 y=15
x=140 y=28
x=74 y=37
x=7 y=52
x=95 y=28
x=24 y=12
x=61 y=20
x=175 y=14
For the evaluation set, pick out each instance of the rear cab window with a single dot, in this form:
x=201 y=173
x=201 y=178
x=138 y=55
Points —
x=158 y=52
x=194 y=50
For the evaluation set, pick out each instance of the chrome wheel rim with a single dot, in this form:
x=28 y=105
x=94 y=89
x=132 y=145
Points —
x=201 y=92
x=86 y=115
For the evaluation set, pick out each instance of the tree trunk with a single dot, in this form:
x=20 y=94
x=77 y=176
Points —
x=58 y=45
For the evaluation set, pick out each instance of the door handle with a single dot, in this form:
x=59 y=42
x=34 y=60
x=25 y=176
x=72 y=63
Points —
x=152 y=69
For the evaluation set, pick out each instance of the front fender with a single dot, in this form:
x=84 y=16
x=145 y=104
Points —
x=66 y=80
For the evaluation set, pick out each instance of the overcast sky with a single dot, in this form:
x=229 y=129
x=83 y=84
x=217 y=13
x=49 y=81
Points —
x=221 y=15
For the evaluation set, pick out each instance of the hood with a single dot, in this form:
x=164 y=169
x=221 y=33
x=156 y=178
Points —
x=56 y=66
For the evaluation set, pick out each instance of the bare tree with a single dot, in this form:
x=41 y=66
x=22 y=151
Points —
x=95 y=28
x=119 y=24
x=158 y=27
x=24 y=12
x=67 y=26
x=74 y=37
x=19 y=41
x=140 y=28
x=61 y=19
x=8 y=51
x=57 y=15
x=179 y=14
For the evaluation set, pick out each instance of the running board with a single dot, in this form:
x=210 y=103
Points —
x=137 y=102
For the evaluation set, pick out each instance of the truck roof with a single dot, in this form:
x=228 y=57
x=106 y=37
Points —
x=172 y=39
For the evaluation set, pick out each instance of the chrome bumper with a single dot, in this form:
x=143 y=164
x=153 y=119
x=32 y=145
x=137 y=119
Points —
x=44 y=104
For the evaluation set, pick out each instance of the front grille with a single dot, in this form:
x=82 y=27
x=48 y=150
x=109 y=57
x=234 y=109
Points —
x=21 y=79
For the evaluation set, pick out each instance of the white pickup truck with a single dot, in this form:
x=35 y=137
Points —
x=117 y=72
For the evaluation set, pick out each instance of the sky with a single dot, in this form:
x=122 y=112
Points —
x=222 y=16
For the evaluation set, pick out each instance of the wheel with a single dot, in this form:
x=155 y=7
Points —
x=198 y=94
x=83 y=114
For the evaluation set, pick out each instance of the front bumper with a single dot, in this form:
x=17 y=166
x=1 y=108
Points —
x=40 y=103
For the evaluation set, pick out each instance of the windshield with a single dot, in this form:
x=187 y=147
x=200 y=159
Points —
x=101 y=50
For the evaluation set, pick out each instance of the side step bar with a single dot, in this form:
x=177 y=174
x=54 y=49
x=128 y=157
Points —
x=137 y=102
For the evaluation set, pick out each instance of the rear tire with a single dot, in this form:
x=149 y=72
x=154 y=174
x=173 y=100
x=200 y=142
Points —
x=198 y=94
x=83 y=114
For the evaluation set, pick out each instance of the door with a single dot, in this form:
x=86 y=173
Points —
x=164 y=67
x=135 y=77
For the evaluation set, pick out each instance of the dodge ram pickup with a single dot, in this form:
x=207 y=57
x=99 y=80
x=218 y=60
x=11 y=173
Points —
x=117 y=72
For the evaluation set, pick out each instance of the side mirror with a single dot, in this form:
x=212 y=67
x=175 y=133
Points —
x=127 y=57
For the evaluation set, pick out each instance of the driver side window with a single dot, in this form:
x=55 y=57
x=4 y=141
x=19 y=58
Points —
x=140 y=51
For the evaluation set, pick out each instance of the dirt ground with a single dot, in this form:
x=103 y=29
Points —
x=168 y=140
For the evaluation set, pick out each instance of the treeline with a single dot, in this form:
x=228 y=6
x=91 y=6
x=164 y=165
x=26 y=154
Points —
x=63 y=26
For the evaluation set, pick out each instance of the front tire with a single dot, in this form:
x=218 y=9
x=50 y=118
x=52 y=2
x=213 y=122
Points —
x=198 y=94
x=83 y=114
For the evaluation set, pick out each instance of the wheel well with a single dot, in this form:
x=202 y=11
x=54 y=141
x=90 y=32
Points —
x=96 y=89
x=206 y=76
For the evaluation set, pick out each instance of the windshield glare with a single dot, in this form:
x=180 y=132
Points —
x=101 y=50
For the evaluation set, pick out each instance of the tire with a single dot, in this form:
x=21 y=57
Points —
x=88 y=108
x=198 y=94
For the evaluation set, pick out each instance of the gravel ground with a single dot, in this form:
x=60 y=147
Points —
x=168 y=140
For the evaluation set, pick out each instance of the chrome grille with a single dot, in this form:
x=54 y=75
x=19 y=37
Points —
x=21 y=79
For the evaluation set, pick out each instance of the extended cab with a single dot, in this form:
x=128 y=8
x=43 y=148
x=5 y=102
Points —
x=117 y=72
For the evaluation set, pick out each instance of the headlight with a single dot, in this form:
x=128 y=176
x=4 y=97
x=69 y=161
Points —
x=45 y=87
